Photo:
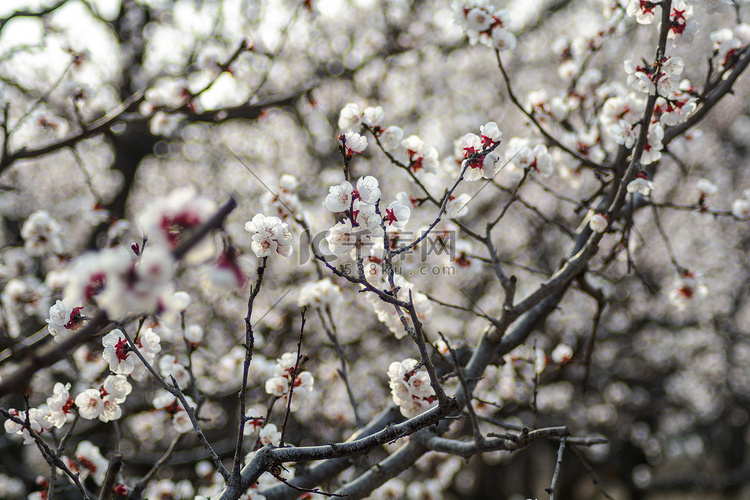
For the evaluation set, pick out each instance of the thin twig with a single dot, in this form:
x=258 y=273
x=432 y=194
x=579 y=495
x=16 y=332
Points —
x=108 y=486
x=306 y=490
x=177 y=392
x=667 y=243
x=513 y=197
x=47 y=452
x=478 y=438
x=343 y=372
x=552 y=140
x=293 y=377
x=141 y=485
x=591 y=472
x=601 y=303
x=558 y=465
x=249 y=345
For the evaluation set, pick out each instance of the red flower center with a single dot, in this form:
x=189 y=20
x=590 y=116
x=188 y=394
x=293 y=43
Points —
x=172 y=226
x=390 y=217
x=94 y=286
x=122 y=349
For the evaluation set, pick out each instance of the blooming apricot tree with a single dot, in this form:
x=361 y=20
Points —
x=380 y=249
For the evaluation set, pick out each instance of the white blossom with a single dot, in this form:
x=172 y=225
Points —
x=164 y=220
x=41 y=234
x=421 y=158
x=350 y=117
x=89 y=462
x=110 y=409
x=638 y=79
x=38 y=419
x=117 y=353
x=165 y=124
x=373 y=116
x=490 y=132
x=543 y=160
x=643 y=11
x=686 y=289
x=652 y=148
x=354 y=142
x=562 y=353
x=391 y=138
x=339 y=197
x=89 y=404
x=342 y=237
x=280 y=385
x=321 y=293
x=170 y=367
x=598 y=223
x=707 y=187
x=193 y=334
x=478 y=19
x=397 y=215
x=457 y=206
x=368 y=220
x=624 y=133
x=269 y=235
x=410 y=388
x=59 y=404
x=181 y=422
x=269 y=434
x=368 y=190
x=503 y=39
x=118 y=387
x=640 y=185
x=741 y=208
x=63 y=319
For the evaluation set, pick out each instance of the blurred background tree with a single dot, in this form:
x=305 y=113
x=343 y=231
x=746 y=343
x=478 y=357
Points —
x=110 y=105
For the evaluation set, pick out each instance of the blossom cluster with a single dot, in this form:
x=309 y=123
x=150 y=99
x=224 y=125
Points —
x=392 y=317
x=282 y=382
x=283 y=202
x=122 y=360
x=120 y=280
x=418 y=156
x=166 y=401
x=478 y=160
x=104 y=403
x=268 y=433
x=484 y=24
x=410 y=387
x=38 y=422
x=728 y=43
x=41 y=234
x=682 y=25
x=319 y=294
x=590 y=118
x=352 y=118
x=88 y=462
x=649 y=81
x=270 y=236
x=536 y=159
x=687 y=288
x=63 y=319
x=363 y=221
